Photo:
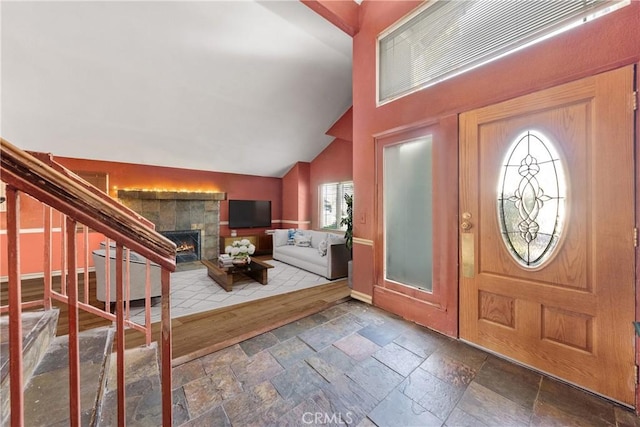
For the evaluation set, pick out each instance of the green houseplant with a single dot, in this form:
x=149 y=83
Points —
x=347 y=221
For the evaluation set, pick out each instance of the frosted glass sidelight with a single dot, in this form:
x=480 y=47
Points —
x=408 y=229
x=531 y=199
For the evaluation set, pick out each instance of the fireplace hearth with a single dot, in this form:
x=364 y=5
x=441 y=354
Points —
x=187 y=244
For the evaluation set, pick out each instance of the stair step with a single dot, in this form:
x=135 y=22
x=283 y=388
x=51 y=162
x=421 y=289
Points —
x=142 y=389
x=47 y=392
x=39 y=329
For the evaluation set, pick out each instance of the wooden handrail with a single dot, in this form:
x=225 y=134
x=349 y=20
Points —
x=69 y=194
x=47 y=158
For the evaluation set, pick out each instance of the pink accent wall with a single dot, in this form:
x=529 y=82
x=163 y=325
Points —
x=604 y=44
x=295 y=197
x=237 y=186
x=334 y=164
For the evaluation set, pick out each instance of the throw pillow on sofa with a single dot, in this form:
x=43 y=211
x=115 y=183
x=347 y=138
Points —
x=322 y=247
x=302 y=241
x=292 y=233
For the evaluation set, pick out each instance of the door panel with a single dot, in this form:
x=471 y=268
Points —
x=571 y=316
x=436 y=305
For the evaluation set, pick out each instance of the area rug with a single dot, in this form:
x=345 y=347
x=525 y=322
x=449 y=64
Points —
x=192 y=291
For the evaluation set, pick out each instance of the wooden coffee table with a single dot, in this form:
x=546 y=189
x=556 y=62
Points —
x=227 y=276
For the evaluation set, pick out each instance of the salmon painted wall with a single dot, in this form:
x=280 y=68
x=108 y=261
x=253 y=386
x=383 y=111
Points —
x=133 y=176
x=604 y=44
x=334 y=164
x=295 y=197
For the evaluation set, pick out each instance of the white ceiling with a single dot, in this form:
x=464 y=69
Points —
x=244 y=86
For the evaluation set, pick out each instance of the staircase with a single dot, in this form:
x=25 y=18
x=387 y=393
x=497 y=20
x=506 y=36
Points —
x=44 y=370
x=46 y=376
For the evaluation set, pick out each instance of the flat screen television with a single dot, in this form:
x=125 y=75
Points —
x=249 y=213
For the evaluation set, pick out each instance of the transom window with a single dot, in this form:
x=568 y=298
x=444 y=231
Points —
x=332 y=204
x=446 y=38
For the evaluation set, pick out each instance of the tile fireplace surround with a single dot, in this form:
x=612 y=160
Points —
x=180 y=210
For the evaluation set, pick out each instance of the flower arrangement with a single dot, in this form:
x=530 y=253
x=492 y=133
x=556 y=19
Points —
x=240 y=249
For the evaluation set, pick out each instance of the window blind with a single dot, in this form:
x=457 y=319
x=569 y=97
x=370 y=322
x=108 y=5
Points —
x=452 y=36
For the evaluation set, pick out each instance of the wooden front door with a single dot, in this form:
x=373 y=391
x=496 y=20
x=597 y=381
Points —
x=547 y=232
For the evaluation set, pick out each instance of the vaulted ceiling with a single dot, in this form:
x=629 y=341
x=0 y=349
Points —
x=245 y=87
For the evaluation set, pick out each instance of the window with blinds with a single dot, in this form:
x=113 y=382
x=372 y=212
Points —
x=449 y=37
x=332 y=204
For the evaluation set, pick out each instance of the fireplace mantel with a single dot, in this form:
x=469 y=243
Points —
x=171 y=195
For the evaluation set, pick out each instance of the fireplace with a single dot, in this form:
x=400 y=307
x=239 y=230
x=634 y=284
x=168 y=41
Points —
x=187 y=244
x=172 y=210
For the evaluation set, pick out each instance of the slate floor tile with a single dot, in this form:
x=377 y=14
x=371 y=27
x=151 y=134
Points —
x=366 y=422
x=334 y=312
x=298 y=382
x=256 y=344
x=492 y=408
x=221 y=358
x=448 y=369
x=290 y=330
x=421 y=341
x=511 y=381
x=398 y=358
x=367 y=313
x=259 y=368
x=247 y=408
x=626 y=418
x=289 y=352
x=331 y=363
x=375 y=377
x=210 y=391
x=325 y=335
x=398 y=410
x=382 y=334
x=187 y=372
x=460 y=418
x=317 y=367
x=356 y=346
x=433 y=394
x=180 y=410
x=213 y=417
x=470 y=356
x=349 y=399
x=557 y=397
x=200 y=395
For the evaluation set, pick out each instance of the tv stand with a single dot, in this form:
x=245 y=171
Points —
x=262 y=242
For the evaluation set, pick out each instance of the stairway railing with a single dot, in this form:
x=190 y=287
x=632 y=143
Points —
x=81 y=205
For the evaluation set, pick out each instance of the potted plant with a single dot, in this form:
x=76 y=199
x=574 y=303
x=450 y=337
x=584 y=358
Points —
x=347 y=221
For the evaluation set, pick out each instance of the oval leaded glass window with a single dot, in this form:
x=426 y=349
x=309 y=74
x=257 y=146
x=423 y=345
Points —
x=531 y=199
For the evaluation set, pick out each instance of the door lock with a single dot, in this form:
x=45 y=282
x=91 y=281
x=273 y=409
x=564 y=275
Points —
x=466 y=225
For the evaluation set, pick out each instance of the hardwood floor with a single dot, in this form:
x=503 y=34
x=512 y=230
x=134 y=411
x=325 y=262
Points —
x=203 y=333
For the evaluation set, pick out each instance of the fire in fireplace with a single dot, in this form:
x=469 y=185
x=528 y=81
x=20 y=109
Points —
x=187 y=244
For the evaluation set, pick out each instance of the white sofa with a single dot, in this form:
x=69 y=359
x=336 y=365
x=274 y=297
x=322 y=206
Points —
x=137 y=273
x=332 y=265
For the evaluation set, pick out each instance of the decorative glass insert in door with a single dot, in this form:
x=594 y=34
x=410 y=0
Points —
x=408 y=232
x=532 y=193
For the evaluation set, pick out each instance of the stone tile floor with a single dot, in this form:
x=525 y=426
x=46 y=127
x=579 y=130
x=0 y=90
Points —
x=356 y=365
